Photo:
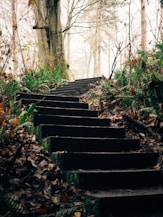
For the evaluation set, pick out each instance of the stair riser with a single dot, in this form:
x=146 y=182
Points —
x=46 y=97
x=66 y=93
x=65 y=120
x=50 y=103
x=69 y=112
x=81 y=131
x=92 y=145
x=114 y=180
x=90 y=161
x=87 y=80
x=131 y=206
x=80 y=82
x=73 y=86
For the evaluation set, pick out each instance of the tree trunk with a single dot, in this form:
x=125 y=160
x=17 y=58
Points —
x=143 y=26
x=42 y=28
x=48 y=25
x=55 y=32
x=14 y=47
x=161 y=22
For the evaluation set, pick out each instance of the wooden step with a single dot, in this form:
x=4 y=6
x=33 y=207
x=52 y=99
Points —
x=21 y=95
x=69 y=92
x=69 y=120
x=95 y=180
x=145 y=202
x=107 y=160
x=88 y=80
x=88 y=144
x=77 y=87
x=73 y=86
x=47 y=130
x=80 y=83
x=54 y=103
x=66 y=111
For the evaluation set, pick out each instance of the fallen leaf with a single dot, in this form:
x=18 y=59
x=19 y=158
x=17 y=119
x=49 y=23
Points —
x=77 y=214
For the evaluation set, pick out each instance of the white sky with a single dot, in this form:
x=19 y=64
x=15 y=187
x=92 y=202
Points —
x=79 y=49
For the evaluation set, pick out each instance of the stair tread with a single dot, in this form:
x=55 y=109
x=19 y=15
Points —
x=96 y=138
x=55 y=103
x=47 y=100
x=71 y=117
x=50 y=95
x=83 y=126
x=126 y=192
x=50 y=107
x=47 y=130
x=111 y=153
x=115 y=171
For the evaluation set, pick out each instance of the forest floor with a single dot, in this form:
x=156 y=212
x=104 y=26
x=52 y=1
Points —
x=35 y=181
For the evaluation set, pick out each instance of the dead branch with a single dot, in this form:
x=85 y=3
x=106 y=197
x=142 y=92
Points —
x=141 y=125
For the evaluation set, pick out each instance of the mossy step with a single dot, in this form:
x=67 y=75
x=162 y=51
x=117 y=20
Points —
x=55 y=103
x=83 y=81
x=47 y=130
x=107 y=160
x=88 y=80
x=74 y=86
x=69 y=120
x=49 y=96
x=146 y=202
x=66 y=111
x=88 y=144
x=95 y=180
x=70 y=92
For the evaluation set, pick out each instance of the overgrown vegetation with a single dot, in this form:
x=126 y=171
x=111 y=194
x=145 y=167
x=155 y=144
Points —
x=12 y=115
x=18 y=140
x=138 y=88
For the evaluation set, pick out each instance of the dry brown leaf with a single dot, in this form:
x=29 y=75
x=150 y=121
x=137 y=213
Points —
x=31 y=2
x=152 y=120
x=77 y=214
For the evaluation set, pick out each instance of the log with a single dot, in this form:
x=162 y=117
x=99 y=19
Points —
x=141 y=125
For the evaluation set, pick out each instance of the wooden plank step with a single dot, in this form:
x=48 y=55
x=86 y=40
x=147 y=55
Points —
x=70 y=92
x=80 y=82
x=87 y=144
x=74 y=86
x=95 y=180
x=107 y=160
x=69 y=120
x=77 y=87
x=145 y=202
x=47 y=130
x=88 y=80
x=54 y=103
x=21 y=95
x=66 y=111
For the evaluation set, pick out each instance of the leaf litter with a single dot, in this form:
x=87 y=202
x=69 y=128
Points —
x=32 y=179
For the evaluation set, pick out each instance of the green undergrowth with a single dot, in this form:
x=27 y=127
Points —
x=138 y=87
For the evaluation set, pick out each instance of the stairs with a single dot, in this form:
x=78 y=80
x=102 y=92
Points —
x=114 y=172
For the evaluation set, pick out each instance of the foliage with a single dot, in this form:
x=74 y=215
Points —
x=139 y=86
x=43 y=79
x=8 y=86
x=12 y=115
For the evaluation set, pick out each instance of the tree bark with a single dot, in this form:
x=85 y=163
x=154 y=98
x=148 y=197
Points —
x=143 y=26
x=14 y=47
x=41 y=28
x=55 y=32
x=48 y=25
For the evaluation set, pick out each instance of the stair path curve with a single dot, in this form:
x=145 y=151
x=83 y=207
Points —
x=98 y=158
